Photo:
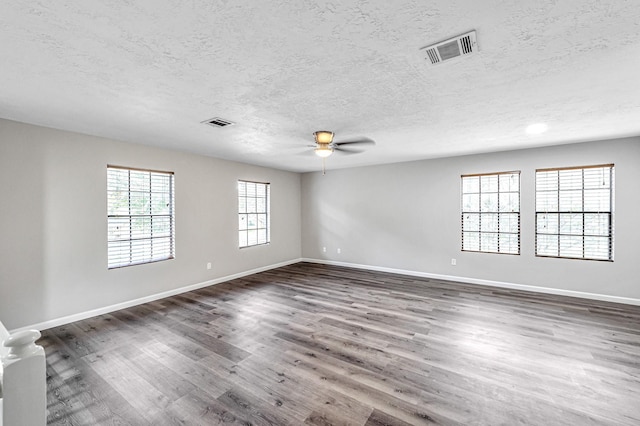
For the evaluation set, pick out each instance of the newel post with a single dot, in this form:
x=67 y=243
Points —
x=24 y=388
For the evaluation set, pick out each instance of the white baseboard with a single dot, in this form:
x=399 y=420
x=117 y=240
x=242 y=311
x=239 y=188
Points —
x=105 y=310
x=467 y=280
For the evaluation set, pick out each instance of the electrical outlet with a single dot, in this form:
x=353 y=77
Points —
x=453 y=262
x=324 y=249
x=339 y=251
x=208 y=265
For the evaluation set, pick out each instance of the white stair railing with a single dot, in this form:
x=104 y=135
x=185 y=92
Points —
x=23 y=388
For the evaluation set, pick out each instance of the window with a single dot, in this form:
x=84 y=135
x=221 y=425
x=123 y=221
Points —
x=253 y=213
x=140 y=216
x=574 y=212
x=491 y=213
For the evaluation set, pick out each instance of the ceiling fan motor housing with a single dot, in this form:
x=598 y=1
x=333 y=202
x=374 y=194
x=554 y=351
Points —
x=323 y=137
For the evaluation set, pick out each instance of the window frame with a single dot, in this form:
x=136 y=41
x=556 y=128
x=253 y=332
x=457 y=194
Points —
x=497 y=213
x=266 y=212
x=610 y=213
x=112 y=218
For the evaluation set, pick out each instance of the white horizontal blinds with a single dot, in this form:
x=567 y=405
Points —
x=253 y=213
x=491 y=213
x=574 y=212
x=140 y=216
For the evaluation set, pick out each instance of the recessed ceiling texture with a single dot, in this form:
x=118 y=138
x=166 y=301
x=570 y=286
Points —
x=152 y=71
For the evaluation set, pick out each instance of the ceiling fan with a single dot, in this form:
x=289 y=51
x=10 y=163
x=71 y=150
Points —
x=325 y=146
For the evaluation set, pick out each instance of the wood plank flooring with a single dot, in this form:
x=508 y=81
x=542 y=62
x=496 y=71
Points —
x=319 y=345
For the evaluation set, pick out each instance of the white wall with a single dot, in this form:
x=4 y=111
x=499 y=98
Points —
x=53 y=227
x=406 y=216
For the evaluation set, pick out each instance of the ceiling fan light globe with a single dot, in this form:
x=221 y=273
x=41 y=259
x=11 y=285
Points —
x=324 y=151
x=323 y=137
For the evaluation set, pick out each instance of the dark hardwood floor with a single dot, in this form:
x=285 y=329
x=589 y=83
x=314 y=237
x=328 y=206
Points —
x=320 y=345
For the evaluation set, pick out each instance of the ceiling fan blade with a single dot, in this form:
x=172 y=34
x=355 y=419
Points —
x=359 y=141
x=347 y=150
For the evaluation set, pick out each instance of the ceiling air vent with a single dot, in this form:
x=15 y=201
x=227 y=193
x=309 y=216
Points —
x=462 y=45
x=218 y=122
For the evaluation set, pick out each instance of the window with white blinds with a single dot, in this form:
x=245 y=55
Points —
x=491 y=213
x=140 y=216
x=574 y=212
x=253 y=213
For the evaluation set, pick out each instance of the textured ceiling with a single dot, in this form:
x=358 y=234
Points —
x=149 y=71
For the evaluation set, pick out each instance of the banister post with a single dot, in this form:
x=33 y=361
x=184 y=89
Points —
x=24 y=381
x=22 y=344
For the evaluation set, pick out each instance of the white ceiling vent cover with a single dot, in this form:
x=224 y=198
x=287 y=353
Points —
x=218 y=122
x=462 y=45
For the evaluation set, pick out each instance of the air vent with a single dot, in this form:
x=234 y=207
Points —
x=462 y=45
x=218 y=122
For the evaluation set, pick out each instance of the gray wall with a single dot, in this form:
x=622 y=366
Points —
x=402 y=216
x=53 y=247
x=407 y=216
